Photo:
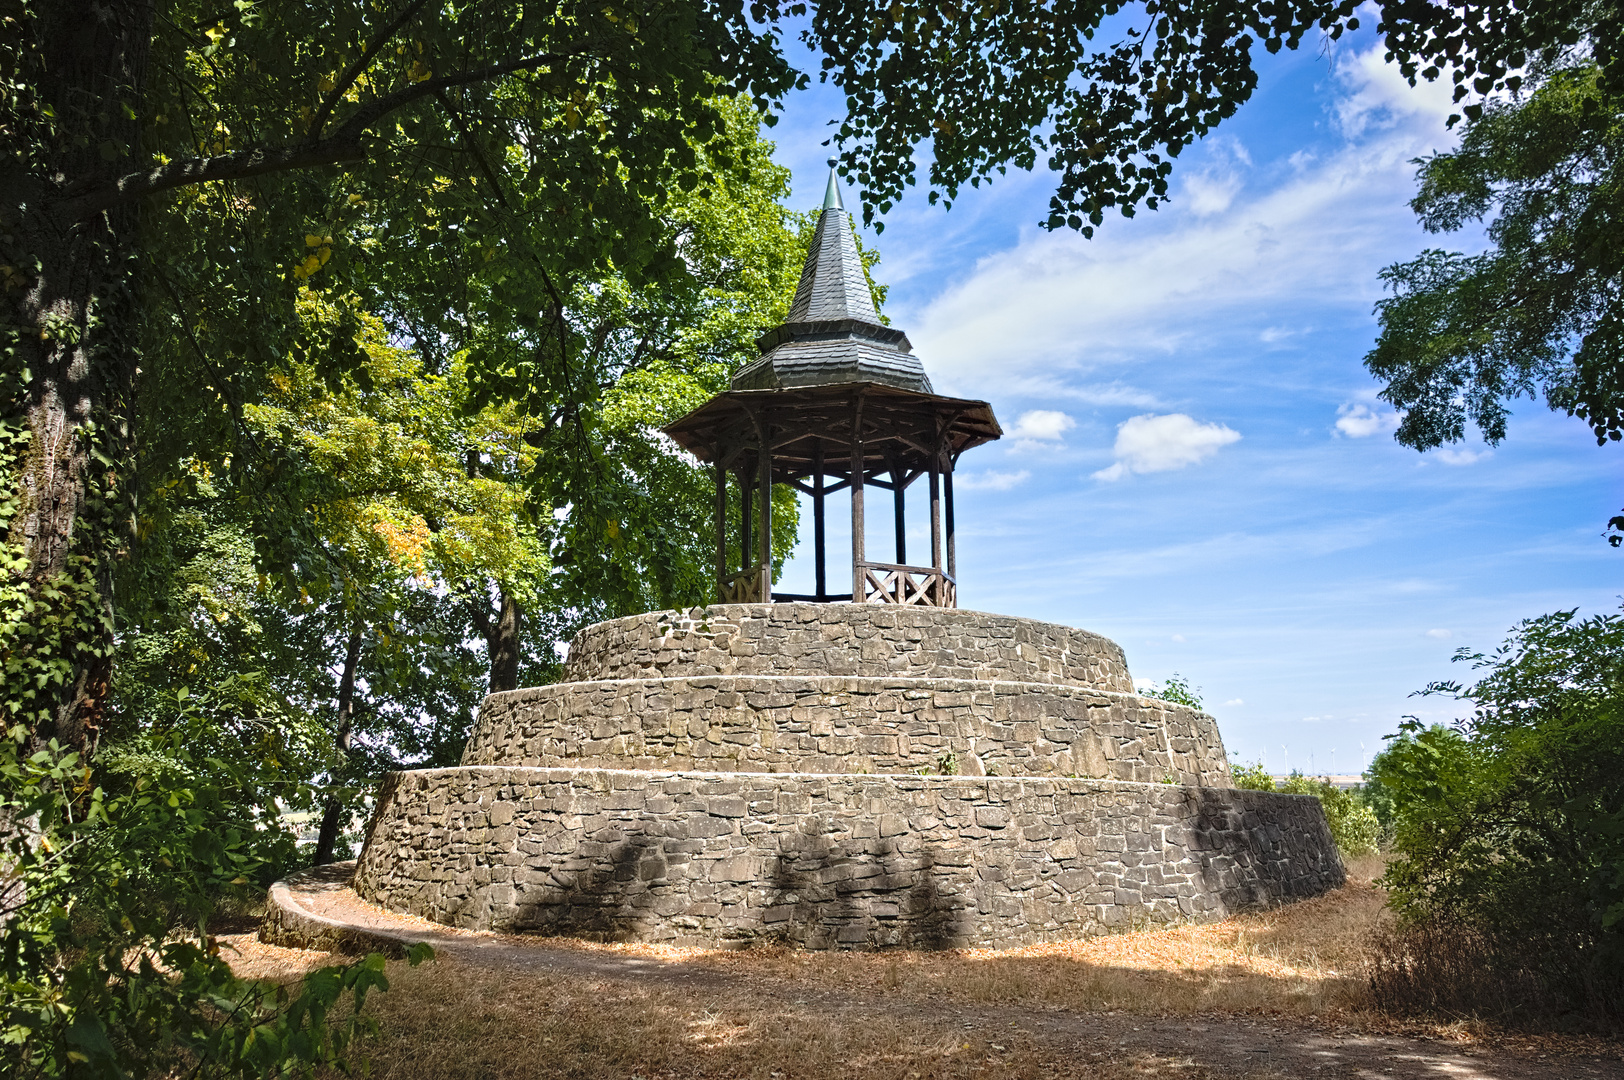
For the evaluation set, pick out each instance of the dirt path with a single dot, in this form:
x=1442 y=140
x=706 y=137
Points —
x=1226 y=1046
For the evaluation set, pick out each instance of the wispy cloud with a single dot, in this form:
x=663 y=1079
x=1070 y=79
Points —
x=990 y=480
x=1457 y=456
x=1150 y=444
x=1314 y=230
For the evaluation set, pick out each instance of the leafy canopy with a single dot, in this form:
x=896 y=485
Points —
x=1542 y=311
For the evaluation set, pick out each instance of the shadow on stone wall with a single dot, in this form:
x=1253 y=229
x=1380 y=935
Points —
x=1260 y=849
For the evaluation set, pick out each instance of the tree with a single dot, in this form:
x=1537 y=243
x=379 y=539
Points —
x=176 y=150
x=1541 y=313
x=110 y=105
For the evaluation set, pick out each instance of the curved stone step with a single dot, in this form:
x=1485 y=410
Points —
x=844 y=639
x=834 y=724
x=830 y=861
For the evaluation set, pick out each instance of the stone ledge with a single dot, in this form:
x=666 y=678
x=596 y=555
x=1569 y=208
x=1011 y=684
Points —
x=835 y=861
x=849 y=724
x=289 y=924
x=844 y=639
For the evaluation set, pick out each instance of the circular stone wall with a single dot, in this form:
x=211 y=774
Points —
x=844 y=639
x=838 y=776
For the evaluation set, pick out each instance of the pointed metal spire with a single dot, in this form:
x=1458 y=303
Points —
x=831 y=197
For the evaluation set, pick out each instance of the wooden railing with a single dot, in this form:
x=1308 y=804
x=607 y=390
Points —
x=743 y=587
x=891 y=583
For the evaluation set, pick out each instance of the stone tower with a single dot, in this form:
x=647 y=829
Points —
x=891 y=772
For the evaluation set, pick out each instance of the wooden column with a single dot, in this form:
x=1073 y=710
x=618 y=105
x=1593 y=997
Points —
x=747 y=511
x=935 y=517
x=817 y=519
x=947 y=504
x=721 y=526
x=764 y=462
x=857 y=501
x=899 y=497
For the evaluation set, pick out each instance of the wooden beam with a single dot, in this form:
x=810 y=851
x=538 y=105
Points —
x=747 y=513
x=947 y=505
x=899 y=496
x=935 y=519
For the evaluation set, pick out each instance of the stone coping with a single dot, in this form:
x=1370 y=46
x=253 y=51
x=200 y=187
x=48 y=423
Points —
x=293 y=925
x=844 y=639
x=850 y=724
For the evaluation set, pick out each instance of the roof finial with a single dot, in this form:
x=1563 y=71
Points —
x=831 y=197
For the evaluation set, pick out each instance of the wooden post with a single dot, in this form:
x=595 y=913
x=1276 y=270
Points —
x=857 y=501
x=899 y=498
x=935 y=517
x=721 y=527
x=947 y=496
x=817 y=518
x=764 y=461
x=747 y=512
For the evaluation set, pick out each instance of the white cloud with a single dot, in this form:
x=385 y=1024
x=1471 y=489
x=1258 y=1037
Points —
x=1148 y=444
x=989 y=480
x=1359 y=421
x=1168 y=286
x=1210 y=192
x=1179 y=638
x=1441 y=635
x=1380 y=97
x=1449 y=455
x=1042 y=425
x=1234 y=701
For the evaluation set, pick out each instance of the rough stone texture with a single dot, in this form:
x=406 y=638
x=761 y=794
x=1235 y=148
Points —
x=850 y=724
x=782 y=772
x=831 y=861
x=845 y=639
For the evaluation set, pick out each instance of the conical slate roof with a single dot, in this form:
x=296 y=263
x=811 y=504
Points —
x=833 y=334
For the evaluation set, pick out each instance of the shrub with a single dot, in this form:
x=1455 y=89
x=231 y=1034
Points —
x=1510 y=828
x=108 y=969
x=1177 y=690
x=1253 y=777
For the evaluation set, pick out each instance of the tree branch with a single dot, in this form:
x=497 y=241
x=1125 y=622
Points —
x=353 y=72
x=342 y=146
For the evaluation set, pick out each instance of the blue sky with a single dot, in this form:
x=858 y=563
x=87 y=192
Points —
x=1195 y=462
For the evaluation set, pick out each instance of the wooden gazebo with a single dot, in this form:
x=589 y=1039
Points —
x=835 y=396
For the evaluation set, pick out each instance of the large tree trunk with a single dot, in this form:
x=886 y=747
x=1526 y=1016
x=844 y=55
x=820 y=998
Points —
x=68 y=296
x=332 y=813
x=504 y=646
x=501 y=641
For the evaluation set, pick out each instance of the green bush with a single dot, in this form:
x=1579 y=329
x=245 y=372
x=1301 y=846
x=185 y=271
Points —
x=1177 y=690
x=1253 y=777
x=1510 y=828
x=108 y=969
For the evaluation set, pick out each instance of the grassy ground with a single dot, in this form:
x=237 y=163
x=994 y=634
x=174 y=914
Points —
x=1279 y=993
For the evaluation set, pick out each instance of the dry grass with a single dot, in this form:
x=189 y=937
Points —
x=781 y=1014
x=1304 y=960
x=452 y=1021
